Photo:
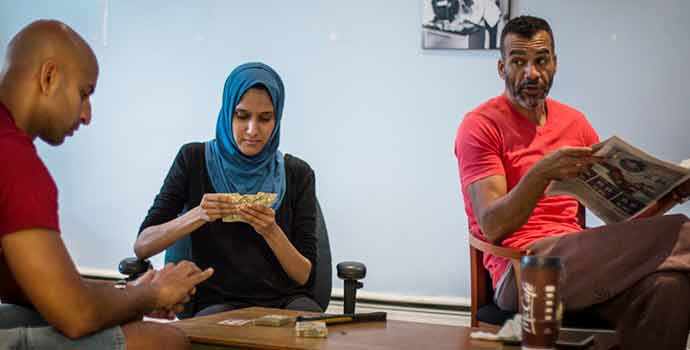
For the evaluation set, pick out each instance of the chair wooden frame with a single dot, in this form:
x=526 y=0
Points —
x=479 y=276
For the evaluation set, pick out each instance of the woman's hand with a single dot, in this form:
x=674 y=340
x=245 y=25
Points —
x=214 y=206
x=262 y=219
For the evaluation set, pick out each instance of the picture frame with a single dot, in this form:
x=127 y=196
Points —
x=464 y=24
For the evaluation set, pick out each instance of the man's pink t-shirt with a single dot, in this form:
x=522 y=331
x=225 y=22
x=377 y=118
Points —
x=494 y=139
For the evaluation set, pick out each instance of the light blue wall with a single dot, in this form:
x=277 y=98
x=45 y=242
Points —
x=373 y=114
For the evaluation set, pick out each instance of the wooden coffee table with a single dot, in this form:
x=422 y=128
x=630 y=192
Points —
x=205 y=333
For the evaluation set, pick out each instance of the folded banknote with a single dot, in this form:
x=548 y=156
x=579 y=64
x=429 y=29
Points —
x=261 y=198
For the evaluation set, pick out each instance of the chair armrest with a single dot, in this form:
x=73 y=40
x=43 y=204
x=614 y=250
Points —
x=351 y=270
x=485 y=247
x=582 y=216
x=133 y=267
x=508 y=253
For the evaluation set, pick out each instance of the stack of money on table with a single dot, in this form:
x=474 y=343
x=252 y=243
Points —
x=312 y=329
x=272 y=320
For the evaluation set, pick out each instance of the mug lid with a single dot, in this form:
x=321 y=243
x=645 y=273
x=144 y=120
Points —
x=541 y=261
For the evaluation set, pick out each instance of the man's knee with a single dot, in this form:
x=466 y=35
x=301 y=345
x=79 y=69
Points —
x=150 y=335
x=667 y=288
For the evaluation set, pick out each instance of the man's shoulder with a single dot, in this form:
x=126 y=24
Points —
x=493 y=108
x=27 y=165
x=19 y=151
x=563 y=108
x=28 y=193
x=14 y=141
x=489 y=115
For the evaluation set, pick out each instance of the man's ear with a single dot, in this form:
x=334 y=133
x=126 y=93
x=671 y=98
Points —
x=48 y=77
x=501 y=67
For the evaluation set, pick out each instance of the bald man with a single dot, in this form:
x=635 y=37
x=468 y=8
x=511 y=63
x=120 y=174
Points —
x=47 y=79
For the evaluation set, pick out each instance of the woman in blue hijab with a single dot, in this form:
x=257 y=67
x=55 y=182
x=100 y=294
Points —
x=267 y=258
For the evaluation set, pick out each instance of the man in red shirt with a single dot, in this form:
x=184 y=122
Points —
x=633 y=274
x=47 y=79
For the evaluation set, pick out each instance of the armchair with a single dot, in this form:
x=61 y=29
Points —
x=483 y=310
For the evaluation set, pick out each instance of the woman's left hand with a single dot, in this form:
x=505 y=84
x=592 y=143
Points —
x=262 y=219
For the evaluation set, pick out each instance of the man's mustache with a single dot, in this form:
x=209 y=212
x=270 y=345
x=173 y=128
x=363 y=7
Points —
x=531 y=84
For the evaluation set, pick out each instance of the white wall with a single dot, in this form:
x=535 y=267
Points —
x=373 y=114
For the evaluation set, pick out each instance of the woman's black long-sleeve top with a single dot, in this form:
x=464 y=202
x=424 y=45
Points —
x=246 y=270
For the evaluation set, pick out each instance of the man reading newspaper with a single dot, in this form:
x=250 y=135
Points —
x=633 y=274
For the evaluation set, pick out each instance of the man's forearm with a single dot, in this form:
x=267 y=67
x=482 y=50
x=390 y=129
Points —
x=510 y=212
x=110 y=306
x=10 y=292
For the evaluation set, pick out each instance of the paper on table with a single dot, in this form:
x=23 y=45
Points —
x=272 y=320
x=510 y=332
x=235 y=322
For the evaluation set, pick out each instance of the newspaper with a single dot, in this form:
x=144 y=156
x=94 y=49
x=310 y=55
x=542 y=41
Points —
x=625 y=184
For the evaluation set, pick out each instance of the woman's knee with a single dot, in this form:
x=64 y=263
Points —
x=303 y=304
x=218 y=308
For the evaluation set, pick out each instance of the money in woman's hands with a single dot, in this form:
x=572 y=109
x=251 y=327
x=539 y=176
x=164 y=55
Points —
x=261 y=198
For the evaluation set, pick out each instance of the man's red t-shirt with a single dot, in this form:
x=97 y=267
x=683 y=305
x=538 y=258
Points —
x=494 y=139
x=28 y=195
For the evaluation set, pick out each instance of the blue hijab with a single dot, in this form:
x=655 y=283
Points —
x=229 y=169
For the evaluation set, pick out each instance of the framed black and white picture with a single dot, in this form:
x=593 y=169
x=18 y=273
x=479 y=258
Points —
x=464 y=24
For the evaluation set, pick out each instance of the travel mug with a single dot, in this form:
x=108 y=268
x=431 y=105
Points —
x=541 y=307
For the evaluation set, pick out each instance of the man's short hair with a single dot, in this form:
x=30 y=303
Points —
x=526 y=27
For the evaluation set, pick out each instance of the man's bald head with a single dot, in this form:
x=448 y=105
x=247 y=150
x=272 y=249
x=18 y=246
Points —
x=48 y=75
x=48 y=39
